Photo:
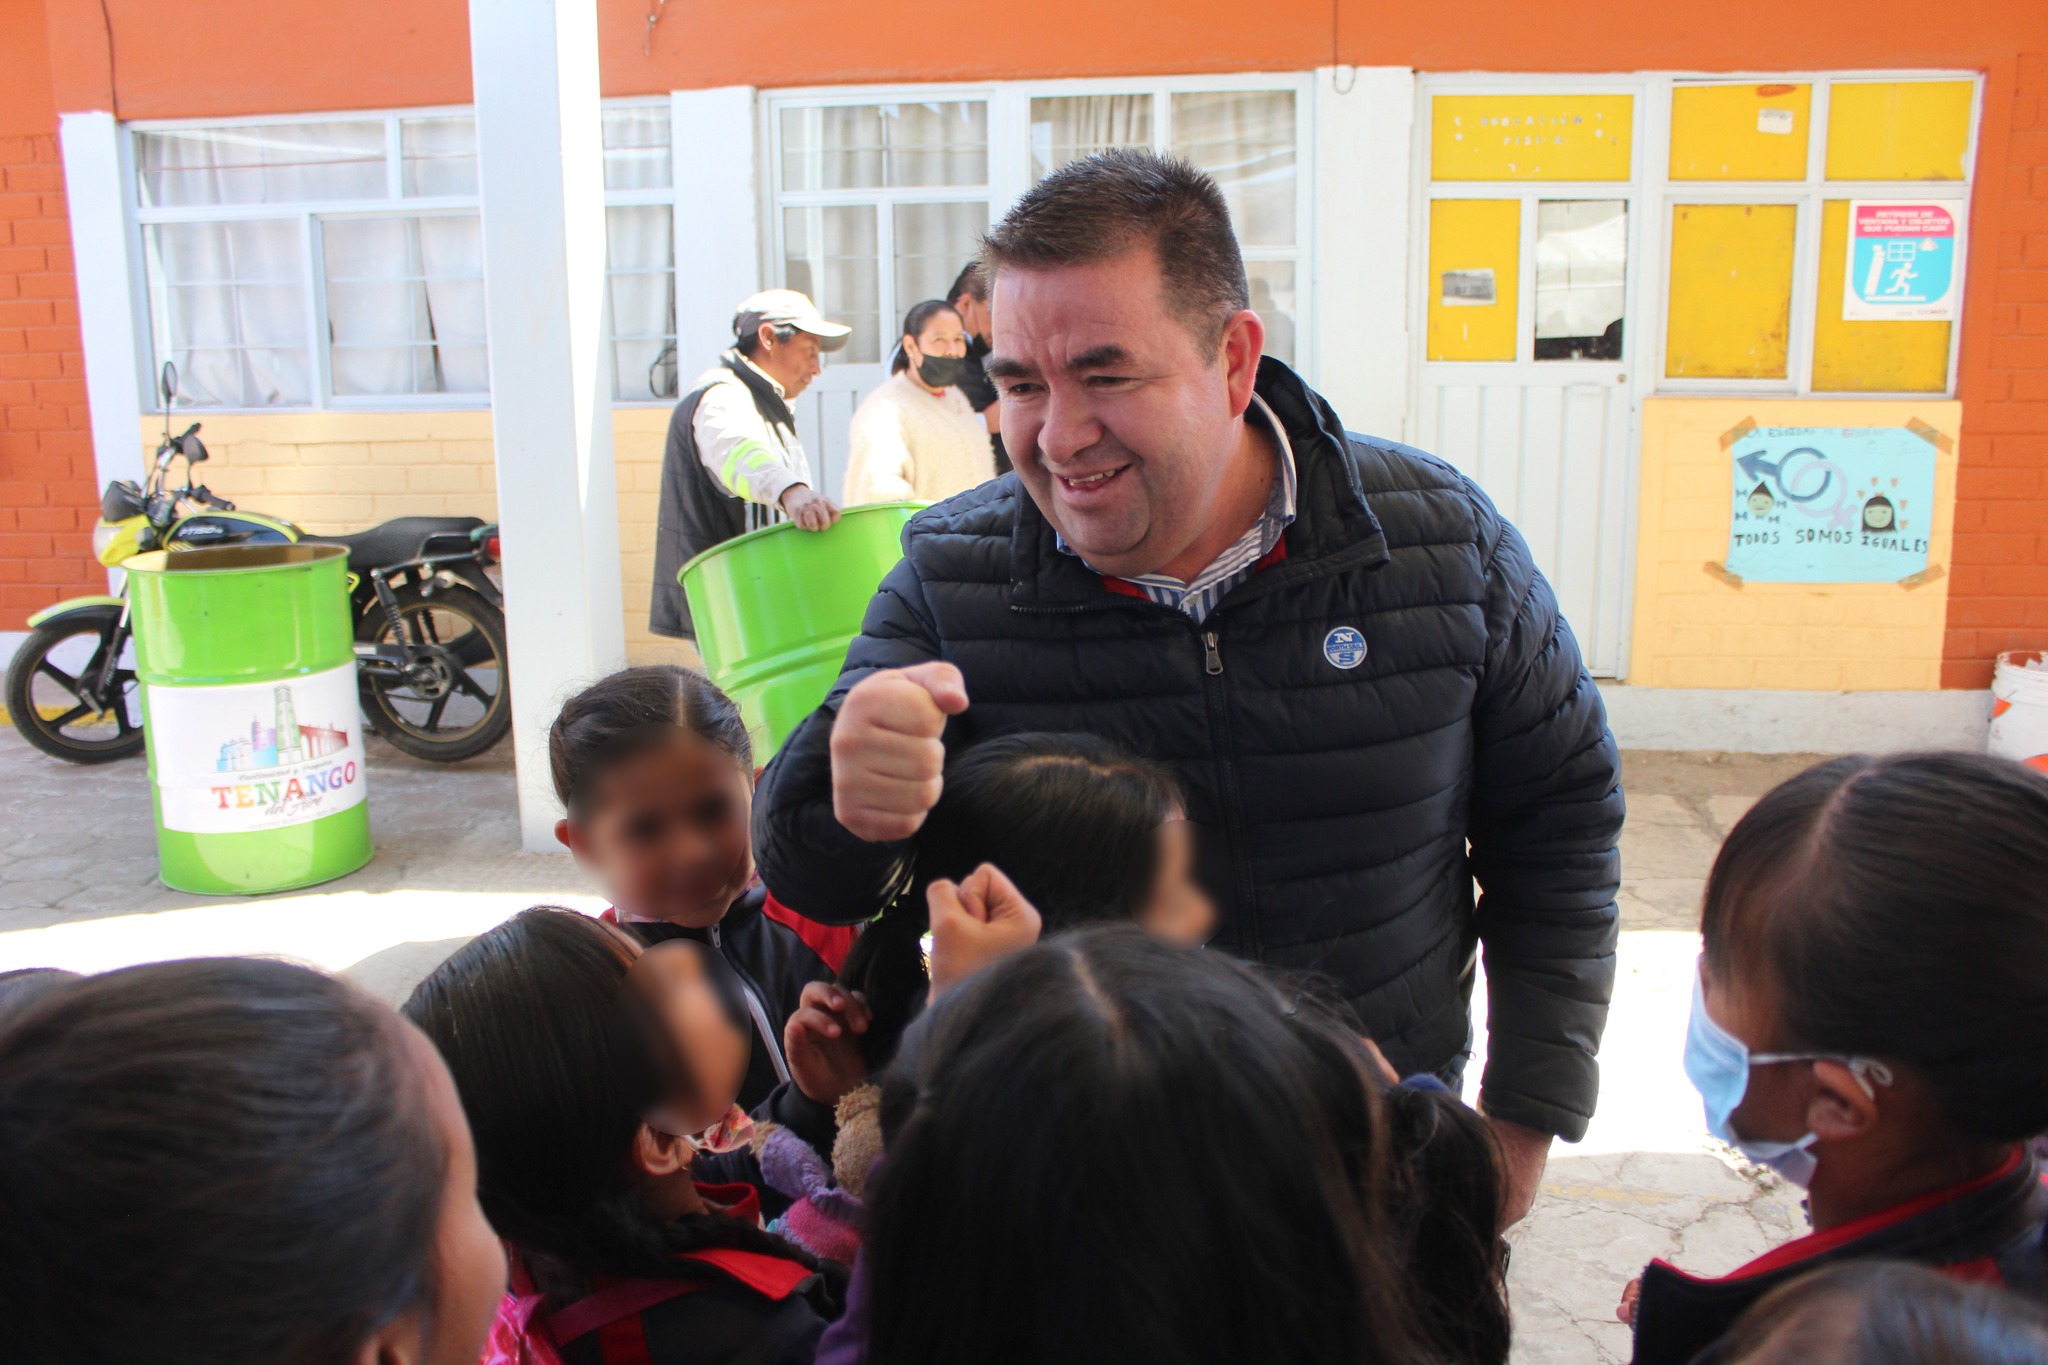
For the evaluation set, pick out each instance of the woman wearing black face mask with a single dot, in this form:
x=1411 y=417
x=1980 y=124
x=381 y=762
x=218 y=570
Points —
x=916 y=436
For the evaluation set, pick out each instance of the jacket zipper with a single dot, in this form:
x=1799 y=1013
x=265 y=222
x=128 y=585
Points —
x=1226 y=782
x=754 y=1008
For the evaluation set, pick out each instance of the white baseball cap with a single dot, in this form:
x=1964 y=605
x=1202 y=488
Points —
x=788 y=308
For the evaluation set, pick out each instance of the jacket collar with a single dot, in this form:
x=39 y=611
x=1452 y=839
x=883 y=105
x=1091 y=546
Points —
x=766 y=392
x=1990 y=1209
x=1333 y=528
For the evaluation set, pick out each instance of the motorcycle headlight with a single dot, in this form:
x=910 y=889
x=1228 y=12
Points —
x=114 y=541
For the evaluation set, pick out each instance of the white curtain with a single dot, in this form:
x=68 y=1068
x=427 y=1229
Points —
x=1068 y=127
x=438 y=155
x=640 y=257
x=405 y=304
x=227 y=305
x=280 y=163
x=832 y=254
x=933 y=242
x=1245 y=139
x=636 y=148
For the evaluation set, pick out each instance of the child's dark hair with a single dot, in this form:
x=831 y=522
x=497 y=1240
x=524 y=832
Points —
x=213 y=1160
x=1893 y=907
x=27 y=985
x=1072 y=819
x=628 y=712
x=1108 y=1149
x=1885 y=1313
x=1446 y=1210
x=558 y=1060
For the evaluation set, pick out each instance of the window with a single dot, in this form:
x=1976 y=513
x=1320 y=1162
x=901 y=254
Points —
x=1803 y=235
x=298 y=263
x=877 y=204
x=1764 y=286
x=1528 y=241
x=640 y=256
x=881 y=206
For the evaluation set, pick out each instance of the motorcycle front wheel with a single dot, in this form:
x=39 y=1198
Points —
x=452 y=703
x=49 y=700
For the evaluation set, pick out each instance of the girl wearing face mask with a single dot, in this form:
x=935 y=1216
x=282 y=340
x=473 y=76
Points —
x=1871 y=1021
x=916 y=437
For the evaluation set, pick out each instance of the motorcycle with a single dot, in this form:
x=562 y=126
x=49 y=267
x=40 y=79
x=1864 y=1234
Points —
x=429 y=620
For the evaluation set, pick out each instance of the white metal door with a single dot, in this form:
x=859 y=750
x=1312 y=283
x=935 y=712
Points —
x=1550 y=435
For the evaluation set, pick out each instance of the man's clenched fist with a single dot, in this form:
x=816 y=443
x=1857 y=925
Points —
x=887 y=758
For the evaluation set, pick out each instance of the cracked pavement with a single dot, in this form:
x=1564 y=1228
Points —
x=78 y=889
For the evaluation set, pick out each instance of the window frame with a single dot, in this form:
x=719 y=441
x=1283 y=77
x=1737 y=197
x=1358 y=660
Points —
x=1653 y=194
x=308 y=215
x=1009 y=163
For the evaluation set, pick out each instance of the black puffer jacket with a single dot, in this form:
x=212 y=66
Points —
x=1334 y=804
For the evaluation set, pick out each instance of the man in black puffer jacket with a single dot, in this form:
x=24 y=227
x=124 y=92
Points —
x=1337 y=643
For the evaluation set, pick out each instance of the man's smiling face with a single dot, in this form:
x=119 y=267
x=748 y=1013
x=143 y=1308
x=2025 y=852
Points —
x=1119 y=419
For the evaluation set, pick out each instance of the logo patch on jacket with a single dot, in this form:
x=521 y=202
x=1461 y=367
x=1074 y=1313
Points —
x=1344 y=647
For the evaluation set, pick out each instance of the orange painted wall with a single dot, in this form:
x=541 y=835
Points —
x=48 y=497
x=193 y=58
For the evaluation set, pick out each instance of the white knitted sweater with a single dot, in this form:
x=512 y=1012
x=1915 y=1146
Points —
x=910 y=443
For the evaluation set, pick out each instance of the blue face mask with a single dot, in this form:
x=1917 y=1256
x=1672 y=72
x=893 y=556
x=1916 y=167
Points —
x=1717 y=1063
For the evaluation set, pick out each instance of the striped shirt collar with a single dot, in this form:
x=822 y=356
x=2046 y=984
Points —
x=1198 y=596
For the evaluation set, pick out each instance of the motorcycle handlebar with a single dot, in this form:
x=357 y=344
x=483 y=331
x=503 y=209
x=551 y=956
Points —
x=201 y=495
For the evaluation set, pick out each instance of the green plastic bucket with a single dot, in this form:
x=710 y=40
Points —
x=776 y=608
x=256 y=768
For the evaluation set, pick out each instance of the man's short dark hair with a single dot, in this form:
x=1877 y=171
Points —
x=1105 y=204
x=969 y=283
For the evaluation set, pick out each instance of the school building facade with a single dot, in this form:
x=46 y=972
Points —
x=1741 y=315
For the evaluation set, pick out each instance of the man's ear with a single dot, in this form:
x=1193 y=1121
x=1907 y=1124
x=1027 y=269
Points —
x=656 y=1154
x=1841 y=1109
x=1244 y=341
x=398 y=1342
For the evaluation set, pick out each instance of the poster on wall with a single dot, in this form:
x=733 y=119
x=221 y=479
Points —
x=1902 y=260
x=240 y=757
x=1830 y=504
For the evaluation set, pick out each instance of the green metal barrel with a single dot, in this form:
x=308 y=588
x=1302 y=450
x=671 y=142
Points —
x=776 y=608
x=247 y=662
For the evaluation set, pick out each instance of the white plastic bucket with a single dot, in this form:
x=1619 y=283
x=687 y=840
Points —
x=2019 y=708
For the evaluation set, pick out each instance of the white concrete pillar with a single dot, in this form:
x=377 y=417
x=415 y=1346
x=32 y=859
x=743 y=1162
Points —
x=1364 y=191
x=718 y=245
x=103 y=270
x=540 y=167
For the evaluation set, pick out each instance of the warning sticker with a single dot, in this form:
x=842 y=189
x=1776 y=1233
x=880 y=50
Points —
x=1902 y=261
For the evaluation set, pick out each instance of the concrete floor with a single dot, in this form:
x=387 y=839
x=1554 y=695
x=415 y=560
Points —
x=78 y=889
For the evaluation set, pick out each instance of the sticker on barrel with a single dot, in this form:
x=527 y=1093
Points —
x=246 y=757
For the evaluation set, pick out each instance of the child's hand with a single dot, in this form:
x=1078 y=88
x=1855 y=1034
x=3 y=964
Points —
x=979 y=920
x=1630 y=1296
x=821 y=1041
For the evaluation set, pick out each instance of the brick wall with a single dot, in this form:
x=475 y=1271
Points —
x=1692 y=629
x=1999 y=598
x=49 y=494
x=341 y=471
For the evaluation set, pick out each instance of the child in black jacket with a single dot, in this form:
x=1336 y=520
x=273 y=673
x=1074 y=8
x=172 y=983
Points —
x=598 y=1077
x=655 y=769
x=1869 y=1021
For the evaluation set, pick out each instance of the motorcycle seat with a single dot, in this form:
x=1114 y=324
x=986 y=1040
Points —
x=397 y=540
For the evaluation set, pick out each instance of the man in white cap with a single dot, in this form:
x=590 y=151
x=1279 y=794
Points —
x=732 y=441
